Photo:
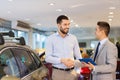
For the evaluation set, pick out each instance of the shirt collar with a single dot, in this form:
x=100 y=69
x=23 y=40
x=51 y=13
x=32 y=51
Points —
x=59 y=34
x=103 y=41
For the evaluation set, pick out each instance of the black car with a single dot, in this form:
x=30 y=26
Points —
x=18 y=61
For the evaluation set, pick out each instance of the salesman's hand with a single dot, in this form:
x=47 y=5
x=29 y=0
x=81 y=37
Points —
x=80 y=64
x=89 y=65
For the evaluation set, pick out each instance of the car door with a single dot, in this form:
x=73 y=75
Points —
x=8 y=64
x=31 y=66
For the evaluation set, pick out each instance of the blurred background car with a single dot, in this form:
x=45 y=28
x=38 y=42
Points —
x=18 y=61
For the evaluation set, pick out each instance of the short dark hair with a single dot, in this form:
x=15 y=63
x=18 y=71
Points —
x=61 y=17
x=104 y=26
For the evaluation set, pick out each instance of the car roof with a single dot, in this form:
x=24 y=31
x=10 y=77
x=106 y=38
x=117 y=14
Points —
x=10 y=44
x=7 y=39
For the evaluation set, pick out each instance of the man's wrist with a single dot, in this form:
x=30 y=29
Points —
x=62 y=60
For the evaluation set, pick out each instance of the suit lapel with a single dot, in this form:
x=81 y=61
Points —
x=99 y=52
x=102 y=47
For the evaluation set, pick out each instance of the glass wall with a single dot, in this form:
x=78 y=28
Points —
x=17 y=33
x=4 y=29
x=93 y=44
x=38 y=41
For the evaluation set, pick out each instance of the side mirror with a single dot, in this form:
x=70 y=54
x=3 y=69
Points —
x=9 y=77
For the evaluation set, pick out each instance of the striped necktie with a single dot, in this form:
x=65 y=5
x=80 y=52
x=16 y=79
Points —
x=96 y=51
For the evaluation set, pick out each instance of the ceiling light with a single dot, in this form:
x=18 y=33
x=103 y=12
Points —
x=71 y=21
x=10 y=0
x=112 y=7
x=39 y=24
x=76 y=25
x=110 y=19
x=27 y=19
x=77 y=5
x=111 y=12
x=51 y=4
x=59 y=10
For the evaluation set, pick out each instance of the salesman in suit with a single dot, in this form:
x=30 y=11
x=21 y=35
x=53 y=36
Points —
x=105 y=55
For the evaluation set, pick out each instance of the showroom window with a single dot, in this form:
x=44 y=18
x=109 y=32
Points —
x=21 y=34
x=4 y=29
x=38 y=41
x=93 y=44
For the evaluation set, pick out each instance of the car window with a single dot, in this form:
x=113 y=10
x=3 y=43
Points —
x=36 y=59
x=8 y=65
x=25 y=57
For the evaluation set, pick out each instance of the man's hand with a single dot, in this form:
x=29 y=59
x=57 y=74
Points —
x=67 y=62
x=89 y=65
x=80 y=64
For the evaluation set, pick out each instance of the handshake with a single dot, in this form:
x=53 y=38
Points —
x=68 y=62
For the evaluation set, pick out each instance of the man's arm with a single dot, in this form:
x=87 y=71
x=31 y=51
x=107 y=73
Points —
x=54 y=59
x=77 y=53
x=49 y=53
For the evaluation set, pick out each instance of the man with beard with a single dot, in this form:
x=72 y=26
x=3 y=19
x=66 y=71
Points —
x=61 y=50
